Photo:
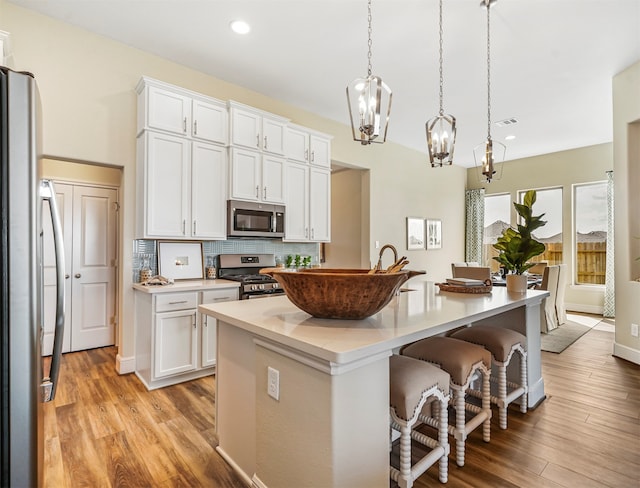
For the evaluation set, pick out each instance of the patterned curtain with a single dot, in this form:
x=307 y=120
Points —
x=609 y=283
x=474 y=206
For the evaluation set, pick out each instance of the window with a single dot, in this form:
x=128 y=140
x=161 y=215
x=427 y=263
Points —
x=497 y=215
x=590 y=217
x=548 y=202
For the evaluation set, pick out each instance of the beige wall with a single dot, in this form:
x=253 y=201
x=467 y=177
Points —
x=626 y=155
x=87 y=85
x=561 y=169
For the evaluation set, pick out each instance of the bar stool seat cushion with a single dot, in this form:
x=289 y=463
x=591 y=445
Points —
x=455 y=356
x=498 y=340
x=408 y=379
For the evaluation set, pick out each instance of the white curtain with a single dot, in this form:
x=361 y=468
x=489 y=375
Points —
x=609 y=283
x=474 y=206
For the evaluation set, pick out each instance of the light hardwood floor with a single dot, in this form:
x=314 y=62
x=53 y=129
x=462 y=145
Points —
x=108 y=430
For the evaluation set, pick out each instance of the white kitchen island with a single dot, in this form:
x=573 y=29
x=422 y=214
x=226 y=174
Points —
x=329 y=426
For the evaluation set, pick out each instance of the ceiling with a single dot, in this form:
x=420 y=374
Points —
x=552 y=61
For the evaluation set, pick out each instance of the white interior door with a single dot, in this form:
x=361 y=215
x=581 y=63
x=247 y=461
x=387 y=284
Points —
x=64 y=198
x=94 y=263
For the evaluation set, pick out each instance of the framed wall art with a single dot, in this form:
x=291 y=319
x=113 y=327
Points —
x=415 y=233
x=434 y=234
x=180 y=260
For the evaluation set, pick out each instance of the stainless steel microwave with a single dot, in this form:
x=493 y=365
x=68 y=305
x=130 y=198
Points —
x=254 y=219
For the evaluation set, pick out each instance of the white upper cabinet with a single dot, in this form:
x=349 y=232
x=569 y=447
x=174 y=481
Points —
x=308 y=203
x=308 y=146
x=257 y=177
x=168 y=108
x=254 y=129
x=181 y=188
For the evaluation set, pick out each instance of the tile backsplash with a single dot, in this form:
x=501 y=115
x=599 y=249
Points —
x=145 y=251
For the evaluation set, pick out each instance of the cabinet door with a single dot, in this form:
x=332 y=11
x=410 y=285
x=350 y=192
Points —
x=175 y=343
x=167 y=185
x=209 y=325
x=273 y=134
x=209 y=122
x=168 y=111
x=320 y=148
x=320 y=205
x=245 y=128
x=297 y=145
x=296 y=225
x=208 y=191
x=245 y=175
x=273 y=179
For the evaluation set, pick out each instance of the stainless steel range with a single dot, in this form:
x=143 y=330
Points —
x=245 y=268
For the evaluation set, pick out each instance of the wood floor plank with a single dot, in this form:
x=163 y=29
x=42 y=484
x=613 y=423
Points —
x=124 y=465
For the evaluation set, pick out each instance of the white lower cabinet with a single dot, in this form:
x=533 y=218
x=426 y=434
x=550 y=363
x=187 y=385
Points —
x=174 y=342
x=208 y=342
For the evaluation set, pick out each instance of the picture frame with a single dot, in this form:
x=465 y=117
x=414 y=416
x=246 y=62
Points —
x=434 y=234
x=415 y=233
x=180 y=260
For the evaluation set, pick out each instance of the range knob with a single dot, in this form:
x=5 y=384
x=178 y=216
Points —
x=261 y=287
x=275 y=286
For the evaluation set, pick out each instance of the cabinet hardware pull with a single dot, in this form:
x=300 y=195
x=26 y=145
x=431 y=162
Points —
x=178 y=303
x=306 y=231
x=78 y=275
x=194 y=322
x=306 y=155
x=222 y=299
x=265 y=142
x=184 y=125
x=257 y=140
x=312 y=236
x=195 y=127
x=66 y=277
x=205 y=321
x=264 y=193
x=194 y=227
x=313 y=156
x=257 y=191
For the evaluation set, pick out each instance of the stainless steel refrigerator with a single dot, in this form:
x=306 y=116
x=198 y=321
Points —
x=24 y=387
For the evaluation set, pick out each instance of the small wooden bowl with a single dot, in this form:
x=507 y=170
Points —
x=340 y=293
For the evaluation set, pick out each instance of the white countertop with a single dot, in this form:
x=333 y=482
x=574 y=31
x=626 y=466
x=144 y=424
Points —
x=187 y=285
x=422 y=312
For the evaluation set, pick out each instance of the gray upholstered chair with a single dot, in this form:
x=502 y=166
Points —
x=463 y=361
x=412 y=385
x=561 y=311
x=502 y=343
x=550 y=283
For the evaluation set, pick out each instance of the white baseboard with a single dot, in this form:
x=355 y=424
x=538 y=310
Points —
x=626 y=352
x=580 y=307
x=125 y=365
x=235 y=467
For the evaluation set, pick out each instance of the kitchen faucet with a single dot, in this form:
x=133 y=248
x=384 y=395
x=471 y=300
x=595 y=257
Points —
x=382 y=250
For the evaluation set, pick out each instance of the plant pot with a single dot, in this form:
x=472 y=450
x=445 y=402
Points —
x=516 y=283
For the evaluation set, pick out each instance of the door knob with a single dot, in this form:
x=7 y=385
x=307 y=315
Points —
x=78 y=275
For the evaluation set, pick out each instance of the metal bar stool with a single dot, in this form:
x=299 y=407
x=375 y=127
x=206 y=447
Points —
x=412 y=385
x=463 y=361
x=502 y=343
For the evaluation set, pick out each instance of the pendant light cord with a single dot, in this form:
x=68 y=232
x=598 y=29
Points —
x=488 y=71
x=441 y=78
x=370 y=42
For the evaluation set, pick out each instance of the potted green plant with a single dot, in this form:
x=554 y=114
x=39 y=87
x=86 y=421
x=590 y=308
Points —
x=517 y=247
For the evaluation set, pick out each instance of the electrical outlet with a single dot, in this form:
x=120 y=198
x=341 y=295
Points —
x=273 y=383
x=634 y=330
x=377 y=244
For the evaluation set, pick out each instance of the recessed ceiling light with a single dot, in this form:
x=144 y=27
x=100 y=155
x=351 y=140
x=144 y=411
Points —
x=510 y=138
x=240 y=27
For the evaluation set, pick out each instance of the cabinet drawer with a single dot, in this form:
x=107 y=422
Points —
x=176 y=301
x=223 y=295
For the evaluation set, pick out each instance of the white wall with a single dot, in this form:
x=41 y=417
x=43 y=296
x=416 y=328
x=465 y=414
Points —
x=87 y=85
x=561 y=169
x=626 y=155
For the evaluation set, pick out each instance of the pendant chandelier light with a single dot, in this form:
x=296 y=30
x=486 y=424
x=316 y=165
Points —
x=489 y=156
x=441 y=130
x=369 y=102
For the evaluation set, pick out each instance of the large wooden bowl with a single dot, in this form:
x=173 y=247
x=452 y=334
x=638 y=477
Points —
x=340 y=293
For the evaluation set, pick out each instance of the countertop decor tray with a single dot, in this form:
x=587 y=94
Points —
x=466 y=289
